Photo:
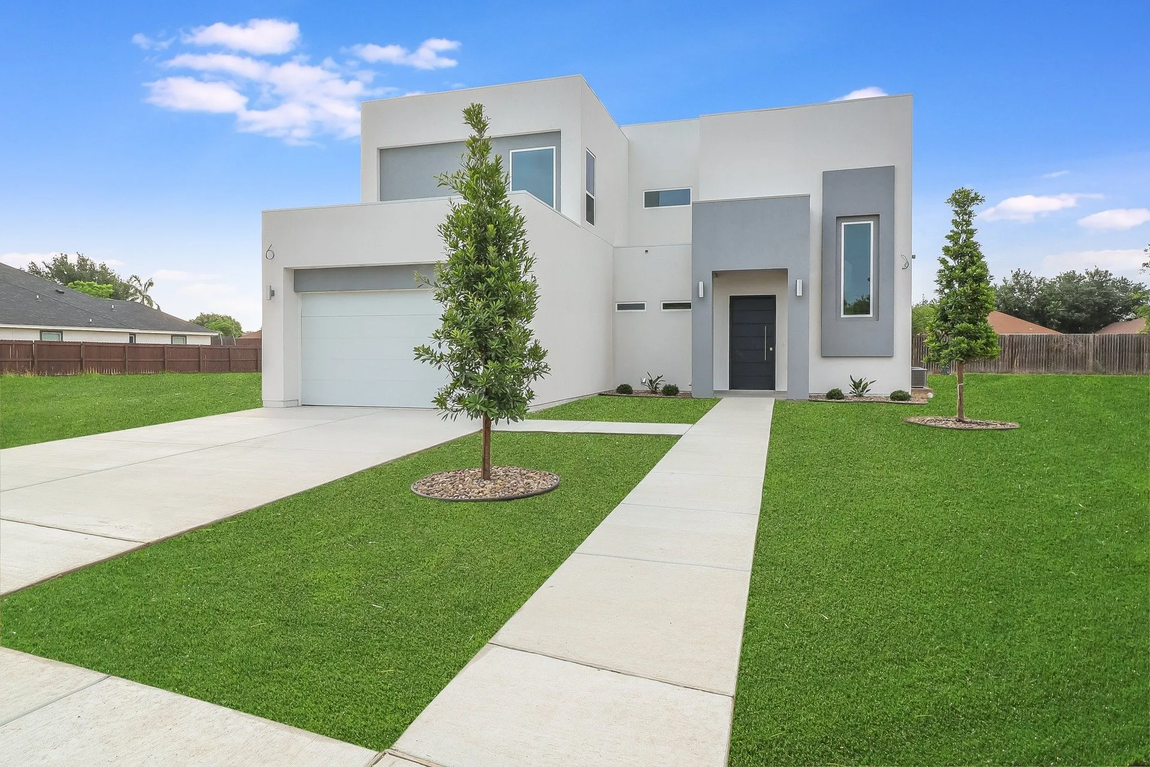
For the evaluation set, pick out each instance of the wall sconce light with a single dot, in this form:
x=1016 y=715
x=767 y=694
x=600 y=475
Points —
x=700 y=288
x=799 y=288
x=271 y=292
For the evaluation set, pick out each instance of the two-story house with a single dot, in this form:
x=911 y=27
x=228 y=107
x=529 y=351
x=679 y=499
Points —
x=767 y=250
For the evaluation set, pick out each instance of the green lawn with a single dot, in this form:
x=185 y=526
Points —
x=342 y=610
x=43 y=408
x=632 y=409
x=929 y=597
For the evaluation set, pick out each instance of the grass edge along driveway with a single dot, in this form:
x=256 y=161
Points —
x=342 y=610
x=925 y=597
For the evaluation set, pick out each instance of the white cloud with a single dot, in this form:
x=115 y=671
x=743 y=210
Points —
x=190 y=95
x=1027 y=206
x=175 y=275
x=150 y=43
x=259 y=36
x=20 y=260
x=1056 y=174
x=1118 y=218
x=426 y=56
x=870 y=92
x=1122 y=262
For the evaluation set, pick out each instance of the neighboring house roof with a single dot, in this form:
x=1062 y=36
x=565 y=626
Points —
x=61 y=307
x=1136 y=325
x=254 y=334
x=1005 y=324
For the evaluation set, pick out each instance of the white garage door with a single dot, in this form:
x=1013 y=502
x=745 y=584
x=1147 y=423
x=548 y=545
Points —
x=357 y=348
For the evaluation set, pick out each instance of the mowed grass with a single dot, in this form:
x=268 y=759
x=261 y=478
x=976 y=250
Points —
x=931 y=597
x=44 y=408
x=342 y=610
x=632 y=409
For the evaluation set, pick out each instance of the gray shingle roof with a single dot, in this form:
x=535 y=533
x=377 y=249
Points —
x=26 y=299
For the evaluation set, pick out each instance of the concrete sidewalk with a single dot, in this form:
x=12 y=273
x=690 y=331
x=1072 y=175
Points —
x=52 y=713
x=70 y=503
x=629 y=653
x=595 y=427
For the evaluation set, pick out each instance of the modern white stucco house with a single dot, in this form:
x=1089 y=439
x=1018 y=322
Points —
x=763 y=250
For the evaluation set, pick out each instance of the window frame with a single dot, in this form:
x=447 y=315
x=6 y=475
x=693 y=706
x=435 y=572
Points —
x=690 y=197
x=663 y=305
x=184 y=342
x=131 y=338
x=554 y=173
x=872 y=222
x=589 y=164
x=641 y=304
x=57 y=332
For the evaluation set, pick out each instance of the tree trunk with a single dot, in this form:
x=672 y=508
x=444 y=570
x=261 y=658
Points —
x=486 y=447
x=961 y=402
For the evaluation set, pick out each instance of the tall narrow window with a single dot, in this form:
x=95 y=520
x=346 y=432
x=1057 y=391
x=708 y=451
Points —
x=590 y=207
x=856 y=254
x=533 y=170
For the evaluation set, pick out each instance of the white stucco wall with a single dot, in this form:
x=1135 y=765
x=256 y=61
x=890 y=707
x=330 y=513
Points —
x=662 y=156
x=600 y=134
x=784 y=152
x=653 y=341
x=765 y=282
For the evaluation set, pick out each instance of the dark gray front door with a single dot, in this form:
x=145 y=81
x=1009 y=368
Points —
x=752 y=342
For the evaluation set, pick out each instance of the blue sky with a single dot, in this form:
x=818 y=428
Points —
x=113 y=146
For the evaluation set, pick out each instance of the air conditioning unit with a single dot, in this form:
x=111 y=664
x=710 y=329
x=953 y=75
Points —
x=918 y=378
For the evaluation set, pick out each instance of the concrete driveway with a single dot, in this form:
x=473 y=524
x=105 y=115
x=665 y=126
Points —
x=69 y=503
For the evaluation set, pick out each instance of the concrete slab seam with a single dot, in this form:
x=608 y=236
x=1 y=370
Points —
x=9 y=720
x=661 y=561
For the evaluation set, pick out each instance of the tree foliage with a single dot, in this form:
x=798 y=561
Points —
x=94 y=289
x=920 y=316
x=140 y=291
x=224 y=324
x=1071 y=302
x=65 y=270
x=959 y=330
x=487 y=293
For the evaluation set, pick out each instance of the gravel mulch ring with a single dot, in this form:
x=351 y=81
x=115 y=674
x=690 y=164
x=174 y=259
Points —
x=950 y=422
x=507 y=483
x=613 y=393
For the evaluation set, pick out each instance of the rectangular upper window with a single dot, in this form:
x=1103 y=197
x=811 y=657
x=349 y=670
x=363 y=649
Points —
x=533 y=170
x=590 y=196
x=179 y=339
x=631 y=306
x=856 y=267
x=676 y=306
x=666 y=198
x=51 y=335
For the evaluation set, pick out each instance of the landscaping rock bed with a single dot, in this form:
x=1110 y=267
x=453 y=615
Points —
x=645 y=393
x=950 y=422
x=917 y=397
x=507 y=483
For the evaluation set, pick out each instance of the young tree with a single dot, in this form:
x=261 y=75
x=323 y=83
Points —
x=488 y=295
x=140 y=291
x=959 y=330
x=224 y=324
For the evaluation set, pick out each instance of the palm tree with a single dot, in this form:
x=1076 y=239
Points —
x=138 y=291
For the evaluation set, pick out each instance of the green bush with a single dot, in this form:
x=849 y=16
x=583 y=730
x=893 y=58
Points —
x=671 y=390
x=899 y=395
x=835 y=393
x=624 y=389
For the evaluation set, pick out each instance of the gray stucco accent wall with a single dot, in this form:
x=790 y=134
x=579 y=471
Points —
x=847 y=194
x=761 y=233
x=408 y=172
x=346 y=278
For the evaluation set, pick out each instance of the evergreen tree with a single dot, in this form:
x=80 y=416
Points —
x=959 y=331
x=487 y=293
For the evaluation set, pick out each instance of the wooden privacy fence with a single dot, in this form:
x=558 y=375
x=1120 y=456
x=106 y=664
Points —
x=62 y=358
x=1115 y=354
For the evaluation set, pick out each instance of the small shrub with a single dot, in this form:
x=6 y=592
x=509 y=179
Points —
x=624 y=389
x=859 y=386
x=899 y=395
x=652 y=383
x=835 y=393
x=670 y=390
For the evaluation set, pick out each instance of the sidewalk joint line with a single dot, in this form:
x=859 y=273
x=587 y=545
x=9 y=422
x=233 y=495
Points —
x=70 y=530
x=662 y=561
x=9 y=720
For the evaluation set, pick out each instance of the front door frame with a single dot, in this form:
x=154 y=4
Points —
x=769 y=343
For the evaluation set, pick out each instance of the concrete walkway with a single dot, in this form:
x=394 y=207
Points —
x=73 y=502
x=629 y=653
x=52 y=713
x=595 y=427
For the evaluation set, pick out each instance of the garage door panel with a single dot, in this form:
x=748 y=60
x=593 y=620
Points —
x=357 y=348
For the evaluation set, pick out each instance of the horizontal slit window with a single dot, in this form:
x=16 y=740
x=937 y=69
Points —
x=631 y=306
x=676 y=306
x=666 y=198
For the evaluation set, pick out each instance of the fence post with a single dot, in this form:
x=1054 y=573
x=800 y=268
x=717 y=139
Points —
x=82 y=370
x=165 y=364
x=200 y=364
x=126 y=358
x=35 y=361
x=230 y=356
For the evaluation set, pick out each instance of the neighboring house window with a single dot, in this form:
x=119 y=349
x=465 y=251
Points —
x=131 y=338
x=666 y=198
x=179 y=339
x=631 y=306
x=51 y=335
x=676 y=306
x=590 y=188
x=856 y=267
x=533 y=170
